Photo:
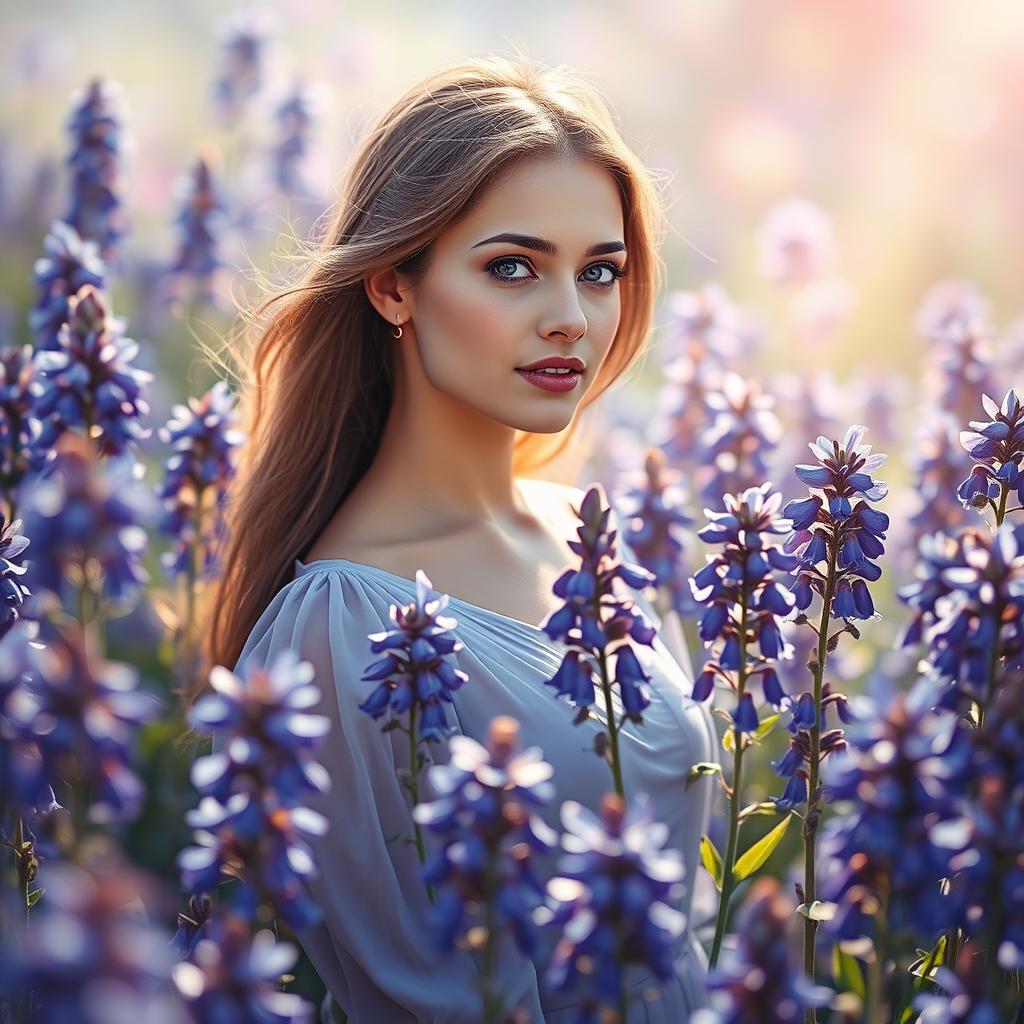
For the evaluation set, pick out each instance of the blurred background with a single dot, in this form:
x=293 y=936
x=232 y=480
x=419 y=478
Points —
x=842 y=184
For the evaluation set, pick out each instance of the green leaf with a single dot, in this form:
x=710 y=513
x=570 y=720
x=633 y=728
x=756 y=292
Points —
x=700 y=769
x=847 y=974
x=728 y=742
x=711 y=860
x=761 y=807
x=34 y=897
x=766 y=727
x=819 y=910
x=937 y=957
x=761 y=850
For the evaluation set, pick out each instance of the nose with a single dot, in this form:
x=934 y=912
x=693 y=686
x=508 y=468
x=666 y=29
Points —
x=565 y=322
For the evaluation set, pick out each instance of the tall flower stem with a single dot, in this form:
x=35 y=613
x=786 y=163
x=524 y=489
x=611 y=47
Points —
x=613 y=731
x=811 y=822
x=414 y=790
x=492 y=1001
x=728 y=866
x=876 y=1009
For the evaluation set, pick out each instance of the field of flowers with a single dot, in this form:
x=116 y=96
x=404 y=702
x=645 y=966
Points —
x=861 y=644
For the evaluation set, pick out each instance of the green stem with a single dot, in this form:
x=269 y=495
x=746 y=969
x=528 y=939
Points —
x=492 y=1001
x=613 y=731
x=876 y=1009
x=414 y=789
x=1001 y=511
x=810 y=830
x=728 y=866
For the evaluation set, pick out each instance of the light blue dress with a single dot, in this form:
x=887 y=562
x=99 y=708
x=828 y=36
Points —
x=372 y=949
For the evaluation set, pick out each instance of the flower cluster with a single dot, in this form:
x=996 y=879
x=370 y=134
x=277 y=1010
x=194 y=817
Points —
x=205 y=444
x=968 y=601
x=232 y=974
x=653 y=515
x=20 y=453
x=905 y=771
x=744 y=601
x=613 y=898
x=415 y=674
x=88 y=949
x=796 y=242
x=243 y=51
x=89 y=383
x=996 y=448
x=250 y=819
x=838 y=526
x=490 y=835
x=593 y=618
x=75 y=720
x=70 y=263
x=201 y=220
x=88 y=525
x=96 y=131
x=13 y=590
x=757 y=980
x=735 y=448
x=295 y=118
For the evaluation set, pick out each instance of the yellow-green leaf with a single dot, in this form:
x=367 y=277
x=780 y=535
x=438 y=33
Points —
x=34 y=896
x=846 y=973
x=711 y=860
x=700 y=769
x=766 y=727
x=761 y=850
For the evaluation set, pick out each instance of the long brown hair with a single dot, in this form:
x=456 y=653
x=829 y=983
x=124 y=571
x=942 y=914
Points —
x=317 y=372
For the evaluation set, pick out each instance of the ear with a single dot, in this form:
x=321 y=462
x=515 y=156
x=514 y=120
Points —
x=388 y=292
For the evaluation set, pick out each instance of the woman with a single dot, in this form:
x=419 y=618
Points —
x=492 y=221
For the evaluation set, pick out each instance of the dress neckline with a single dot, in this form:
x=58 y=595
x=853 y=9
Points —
x=411 y=585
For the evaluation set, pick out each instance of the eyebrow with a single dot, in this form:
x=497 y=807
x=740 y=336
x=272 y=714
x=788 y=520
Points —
x=546 y=247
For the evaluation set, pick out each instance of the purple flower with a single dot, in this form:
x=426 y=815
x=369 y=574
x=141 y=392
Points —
x=996 y=448
x=594 y=622
x=838 y=526
x=740 y=590
x=243 y=44
x=88 y=383
x=21 y=455
x=250 y=820
x=968 y=601
x=613 y=899
x=295 y=118
x=415 y=674
x=202 y=220
x=82 y=714
x=735 y=448
x=88 y=948
x=69 y=265
x=757 y=980
x=13 y=590
x=232 y=975
x=652 y=512
x=192 y=925
x=88 y=522
x=906 y=769
x=482 y=813
x=95 y=126
x=205 y=444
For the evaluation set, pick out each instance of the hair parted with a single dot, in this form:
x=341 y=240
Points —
x=317 y=359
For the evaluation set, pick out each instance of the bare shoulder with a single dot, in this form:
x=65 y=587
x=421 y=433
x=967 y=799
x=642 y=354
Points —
x=555 y=495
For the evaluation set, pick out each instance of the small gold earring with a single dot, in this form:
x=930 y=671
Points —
x=398 y=320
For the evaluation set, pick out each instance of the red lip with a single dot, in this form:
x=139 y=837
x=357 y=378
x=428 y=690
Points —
x=549 y=381
x=557 y=363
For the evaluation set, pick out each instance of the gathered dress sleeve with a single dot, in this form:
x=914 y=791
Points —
x=373 y=947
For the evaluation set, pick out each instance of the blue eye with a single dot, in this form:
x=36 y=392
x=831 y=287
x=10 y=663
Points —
x=518 y=261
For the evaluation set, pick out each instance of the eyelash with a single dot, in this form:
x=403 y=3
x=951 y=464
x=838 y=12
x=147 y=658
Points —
x=617 y=272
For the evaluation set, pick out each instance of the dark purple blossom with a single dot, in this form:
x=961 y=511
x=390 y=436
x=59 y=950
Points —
x=205 y=444
x=757 y=981
x=21 y=455
x=96 y=211
x=241 y=72
x=613 y=900
x=968 y=601
x=13 y=590
x=89 y=383
x=416 y=673
x=88 y=526
x=202 y=220
x=231 y=976
x=295 y=120
x=743 y=599
x=69 y=265
x=192 y=924
x=250 y=822
x=907 y=767
x=89 y=956
x=594 y=622
x=654 y=527
x=482 y=811
x=996 y=448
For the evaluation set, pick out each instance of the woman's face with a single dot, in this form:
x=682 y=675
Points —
x=486 y=307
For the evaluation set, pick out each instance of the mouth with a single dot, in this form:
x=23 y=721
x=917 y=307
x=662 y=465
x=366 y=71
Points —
x=548 y=380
